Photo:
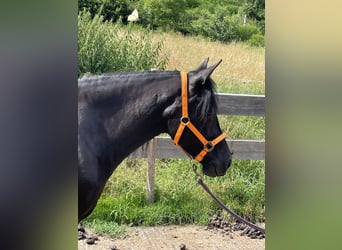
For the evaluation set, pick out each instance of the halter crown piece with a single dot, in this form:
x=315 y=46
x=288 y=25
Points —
x=185 y=122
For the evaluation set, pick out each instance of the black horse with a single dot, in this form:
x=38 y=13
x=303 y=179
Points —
x=117 y=113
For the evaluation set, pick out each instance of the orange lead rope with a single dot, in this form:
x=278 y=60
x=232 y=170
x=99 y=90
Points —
x=185 y=122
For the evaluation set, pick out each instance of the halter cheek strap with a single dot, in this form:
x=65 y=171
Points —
x=185 y=122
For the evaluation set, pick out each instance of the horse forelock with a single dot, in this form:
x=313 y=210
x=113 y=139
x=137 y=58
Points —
x=208 y=101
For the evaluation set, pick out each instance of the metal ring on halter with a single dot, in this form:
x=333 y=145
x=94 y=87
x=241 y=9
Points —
x=185 y=120
x=194 y=168
x=209 y=146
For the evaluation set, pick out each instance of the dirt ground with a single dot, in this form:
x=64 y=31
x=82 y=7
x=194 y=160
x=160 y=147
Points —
x=174 y=237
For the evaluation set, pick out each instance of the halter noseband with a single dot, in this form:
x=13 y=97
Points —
x=185 y=122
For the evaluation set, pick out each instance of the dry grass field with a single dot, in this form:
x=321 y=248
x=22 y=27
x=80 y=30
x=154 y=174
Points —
x=241 y=64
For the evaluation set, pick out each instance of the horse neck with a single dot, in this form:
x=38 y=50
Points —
x=132 y=110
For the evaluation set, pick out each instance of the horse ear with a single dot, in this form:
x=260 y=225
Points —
x=201 y=76
x=204 y=65
x=207 y=72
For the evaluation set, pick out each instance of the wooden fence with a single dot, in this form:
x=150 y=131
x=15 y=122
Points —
x=228 y=104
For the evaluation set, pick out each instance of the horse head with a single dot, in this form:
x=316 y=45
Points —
x=196 y=128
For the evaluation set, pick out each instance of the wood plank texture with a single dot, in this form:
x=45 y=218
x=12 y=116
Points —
x=242 y=149
x=237 y=104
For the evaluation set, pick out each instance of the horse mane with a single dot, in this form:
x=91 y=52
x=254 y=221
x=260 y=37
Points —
x=104 y=78
x=205 y=93
x=207 y=100
x=96 y=83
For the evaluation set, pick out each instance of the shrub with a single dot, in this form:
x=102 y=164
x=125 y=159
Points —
x=244 y=33
x=111 y=10
x=167 y=15
x=257 y=40
x=107 y=47
x=219 y=20
x=223 y=28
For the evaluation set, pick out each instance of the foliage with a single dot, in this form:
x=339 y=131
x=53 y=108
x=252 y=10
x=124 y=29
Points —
x=165 y=14
x=111 y=10
x=220 y=20
x=257 y=40
x=222 y=27
x=255 y=10
x=245 y=32
x=107 y=47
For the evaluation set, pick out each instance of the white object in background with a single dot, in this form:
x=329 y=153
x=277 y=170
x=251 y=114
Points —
x=134 y=16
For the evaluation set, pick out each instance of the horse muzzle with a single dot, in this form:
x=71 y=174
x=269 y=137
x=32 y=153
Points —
x=216 y=166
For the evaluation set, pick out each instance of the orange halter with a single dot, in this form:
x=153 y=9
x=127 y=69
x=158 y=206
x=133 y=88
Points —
x=185 y=122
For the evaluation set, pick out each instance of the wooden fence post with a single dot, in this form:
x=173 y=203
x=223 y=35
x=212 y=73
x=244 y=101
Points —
x=151 y=158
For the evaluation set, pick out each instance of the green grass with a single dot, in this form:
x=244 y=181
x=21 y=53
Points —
x=239 y=86
x=179 y=199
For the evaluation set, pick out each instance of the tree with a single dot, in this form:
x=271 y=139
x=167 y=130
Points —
x=255 y=9
x=111 y=10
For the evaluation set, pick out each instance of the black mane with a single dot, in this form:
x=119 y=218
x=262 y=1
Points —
x=208 y=102
x=99 y=86
x=107 y=78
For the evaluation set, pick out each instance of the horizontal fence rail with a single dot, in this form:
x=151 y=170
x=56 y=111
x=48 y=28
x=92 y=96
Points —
x=165 y=148
x=243 y=149
x=237 y=104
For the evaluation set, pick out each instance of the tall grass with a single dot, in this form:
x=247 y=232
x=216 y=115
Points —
x=107 y=47
x=241 y=71
x=241 y=63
